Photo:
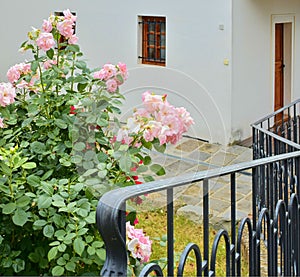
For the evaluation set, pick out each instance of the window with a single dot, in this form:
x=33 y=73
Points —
x=153 y=34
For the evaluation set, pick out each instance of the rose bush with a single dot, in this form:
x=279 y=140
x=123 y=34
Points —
x=62 y=146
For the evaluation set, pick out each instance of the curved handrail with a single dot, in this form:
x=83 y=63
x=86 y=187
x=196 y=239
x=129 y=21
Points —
x=276 y=112
x=110 y=215
x=117 y=197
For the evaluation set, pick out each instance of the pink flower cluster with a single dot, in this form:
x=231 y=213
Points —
x=65 y=27
x=7 y=94
x=158 y=119
x=15 y=72
x=113 y=75
x=138 y=244
x=18 y=71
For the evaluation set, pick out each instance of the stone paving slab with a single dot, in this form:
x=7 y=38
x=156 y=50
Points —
x=192 y=155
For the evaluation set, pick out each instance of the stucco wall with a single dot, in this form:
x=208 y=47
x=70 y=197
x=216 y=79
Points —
x=252 y=85
x=195 y=76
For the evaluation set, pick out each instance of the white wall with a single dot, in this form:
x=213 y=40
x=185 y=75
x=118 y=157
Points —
x=195 y=76
x=252 y=85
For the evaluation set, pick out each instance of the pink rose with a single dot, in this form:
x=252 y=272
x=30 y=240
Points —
x=99 y=74
x=16 y=71
x=111 y=85
x=45 y=41
x=123 y=69
x=13 y=74
x=48 y=63
x=68 y=15
x=138 y=244
x=153 y=102
x=47 y=26
x=7 y=94
x=108 y=71
x=73 y=39
x=65 y=28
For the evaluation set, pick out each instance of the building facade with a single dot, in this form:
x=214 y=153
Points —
x=228 y=62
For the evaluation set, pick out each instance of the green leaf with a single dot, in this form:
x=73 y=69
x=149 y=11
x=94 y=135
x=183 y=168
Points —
x=26 y=122
x=18 y=265
x=147 y=160
x=40 y=223
x=102 y=157
x=125 y=162
x=61 y=261
x=101 y=254
x=58 y=220
x=89 y=155
x=5 y=169
x=23 y=201
x=102 y=173
x=97 y=244
x=91 y=119
x=76 y=159
x=158 y=147
x=50 y=53
x=102 y=122
x=62 y=247
x=91 y=218
x=33 y=180
x=79 y=146
x=70 y=236
x=61 y=124
x=47 y=175
x=79 y=246
x=90 y=172
x=88 y=165
x=73 y=48
x=34 y=65
x=48 y=231
x=9 y=208
x=82 y=231
x=58 y=271
x=29 y=165
x=47 y=187
x=70 y=266
x=34 y=257
x=54 y=243
x=158 y=169
x=80 y=64
x=81 y=87
x=20 y=217
x=44 y=201
x=78 y=187
x=147 y=144
x=52 y=253
x=91 y=250
x=38 y=147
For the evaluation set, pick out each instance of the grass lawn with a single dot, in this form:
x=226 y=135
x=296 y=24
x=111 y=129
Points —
x=154 y=224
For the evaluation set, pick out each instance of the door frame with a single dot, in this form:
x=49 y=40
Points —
x=284 y=18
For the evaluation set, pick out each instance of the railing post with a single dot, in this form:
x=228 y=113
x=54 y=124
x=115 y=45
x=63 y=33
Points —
x=170 y=231
x=233 y=222
x=206 y=225
x=111 y=225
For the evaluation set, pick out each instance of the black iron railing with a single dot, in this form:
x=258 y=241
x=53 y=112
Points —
x=277 y=228
x=278 y=132
x=275 y=134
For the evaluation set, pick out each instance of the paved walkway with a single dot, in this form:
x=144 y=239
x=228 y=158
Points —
x=192 y=155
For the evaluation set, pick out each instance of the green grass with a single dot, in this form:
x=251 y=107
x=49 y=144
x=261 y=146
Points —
x=154 y=224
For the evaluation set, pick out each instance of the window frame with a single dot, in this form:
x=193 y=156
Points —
x=155 y=43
